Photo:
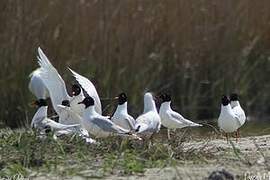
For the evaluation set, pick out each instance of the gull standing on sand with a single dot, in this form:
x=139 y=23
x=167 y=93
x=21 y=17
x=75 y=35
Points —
x=57 y=87
x=228 y=121
x=98 y=125
x=171 y=119
x=121 y=116
x=149 y=122
x=238 y=111
x=37 y=87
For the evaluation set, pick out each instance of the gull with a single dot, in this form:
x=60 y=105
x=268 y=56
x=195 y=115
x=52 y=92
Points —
x=228 y=121
x=37 y=87
x=171 y=119
x=41 y=122
x=98 y=125
x=90 y=89
x=149 y=122
x=56 y=86
x=121 y=116
x=238 y=111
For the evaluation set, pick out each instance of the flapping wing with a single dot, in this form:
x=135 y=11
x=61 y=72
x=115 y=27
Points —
x=90 y=89
x=52 y=80
x=108 y=126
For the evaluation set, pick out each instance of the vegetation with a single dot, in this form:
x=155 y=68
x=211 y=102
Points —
x=196 y=50
x=24 y=153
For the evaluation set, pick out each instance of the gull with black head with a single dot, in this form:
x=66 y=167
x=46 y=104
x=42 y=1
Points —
x=98 y=125
x=171 y=119
x=238 y=111
x=121 y=116
x=228 y=121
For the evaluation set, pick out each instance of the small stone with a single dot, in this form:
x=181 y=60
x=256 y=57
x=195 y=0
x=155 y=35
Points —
x=221 y=175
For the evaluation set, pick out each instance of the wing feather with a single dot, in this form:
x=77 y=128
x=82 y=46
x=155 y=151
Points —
x=52 y=80
x=108 y=126
x=90 y=89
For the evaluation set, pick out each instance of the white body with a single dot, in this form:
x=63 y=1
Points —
x=238 y=111
x=172 y=119
x=100 y=126
x=68 y=116
x=90 y=89
x=36 y=85
x=149 y=122
x=122 y=118
x=228 y=121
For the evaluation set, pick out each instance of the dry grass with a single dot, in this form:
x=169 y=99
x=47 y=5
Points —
x=197 y=50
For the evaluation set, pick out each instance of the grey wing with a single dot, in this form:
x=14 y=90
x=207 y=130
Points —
x=177 y=117
x=108 y=126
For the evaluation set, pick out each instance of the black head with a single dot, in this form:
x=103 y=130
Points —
x=76 y=89
x=234 y=97
x=40 y=103
x=225 y=100
x=66 y=103
x=165 y=97
x=88 y=101
x=122 y=98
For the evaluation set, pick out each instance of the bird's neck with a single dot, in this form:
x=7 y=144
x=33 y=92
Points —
x=122 y=108
x=226 y=108
x=166 y=105
x=149 y=105
x=90 y=111
x=235 y=103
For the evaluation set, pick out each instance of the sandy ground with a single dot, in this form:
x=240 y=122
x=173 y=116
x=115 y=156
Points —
x=250 y=159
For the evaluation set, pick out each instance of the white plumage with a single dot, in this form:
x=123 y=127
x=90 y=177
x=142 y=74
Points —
x=98 y=125
x=170 y=118
x=228 y=120
x=40 y=121
x=90 y=89
x=57 y=88
x=121 y=116
x=149 y=122
x=36 y=85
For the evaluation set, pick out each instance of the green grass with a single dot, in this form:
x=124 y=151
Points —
x=24 y=153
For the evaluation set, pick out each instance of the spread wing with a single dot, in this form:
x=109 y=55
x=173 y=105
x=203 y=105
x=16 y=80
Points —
x=52 y=80
x=108 y=126
x=90 y=89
